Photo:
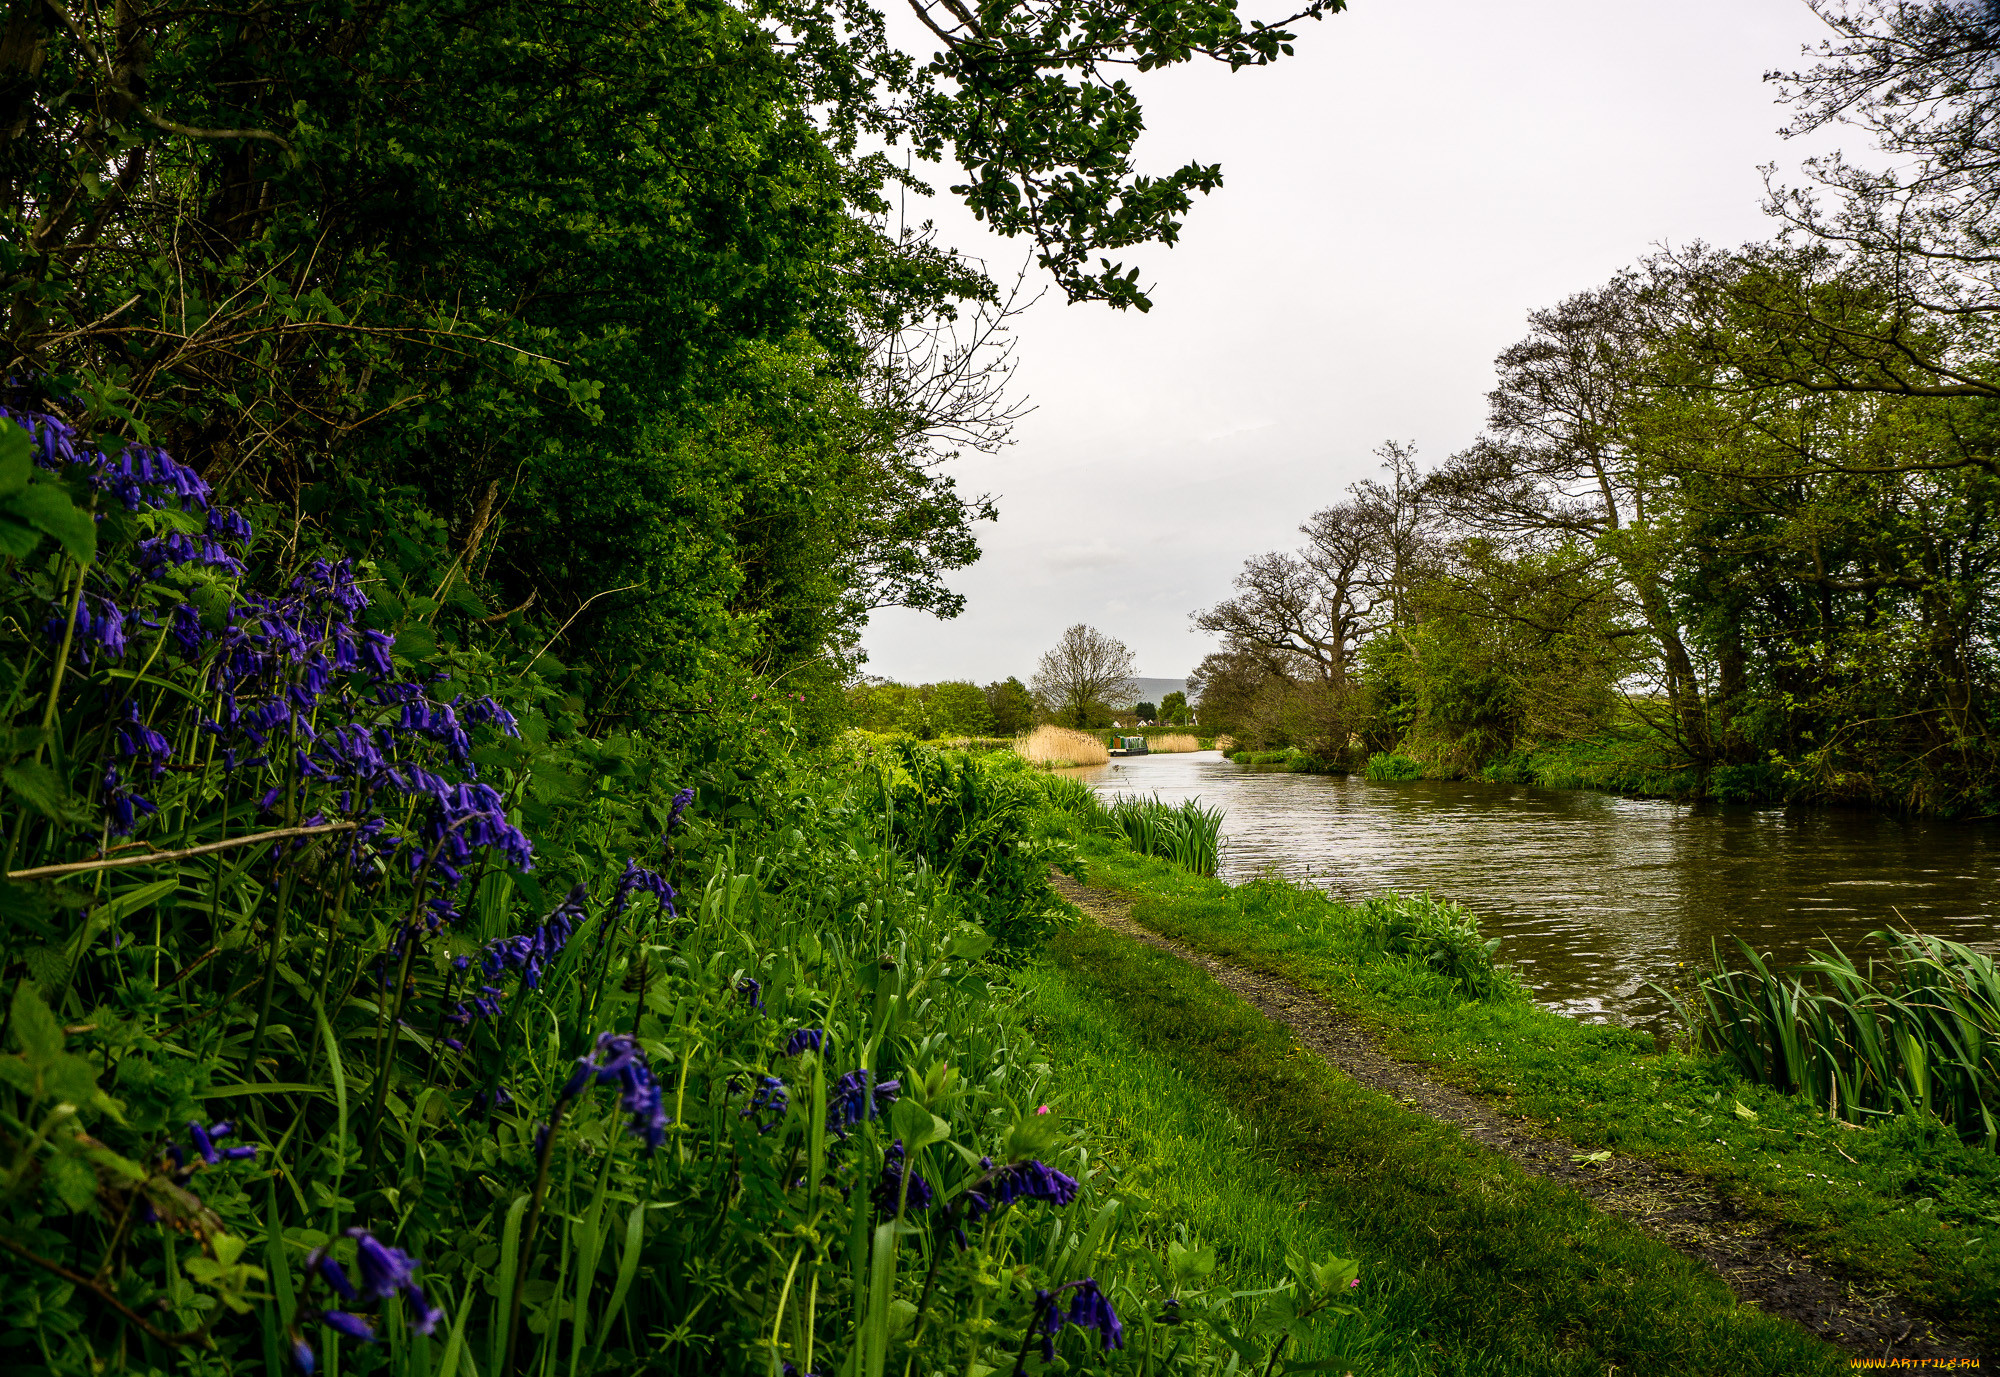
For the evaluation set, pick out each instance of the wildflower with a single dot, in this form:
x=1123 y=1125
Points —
x=1090 y=1308
x=623 y=1064
x=804 y=1040
x=637 y=878
x=387 y=1272
x=125 y=807
x=205 y=1139
x=853 y=1100
x=889 y=1192
x=680 y=803
x=1030 y=1180
x=302 y=1355
x=1041 y=1109
x=771 y=1098
x=353 y=1326
x=752 y=991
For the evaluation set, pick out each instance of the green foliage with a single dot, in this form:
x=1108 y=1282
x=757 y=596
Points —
x=1011 y=706
x=1174 y=709
x=1918 y=1036
x=1391 y=767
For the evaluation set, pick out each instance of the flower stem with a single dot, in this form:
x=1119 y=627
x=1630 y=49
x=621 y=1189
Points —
x=528 y=1238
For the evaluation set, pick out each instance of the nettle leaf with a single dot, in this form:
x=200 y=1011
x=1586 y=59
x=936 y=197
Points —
x=35 y=1028
x=38 y=786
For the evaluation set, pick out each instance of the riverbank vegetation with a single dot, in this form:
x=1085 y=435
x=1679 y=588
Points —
x=1899 y=1200
x=1061 y=746
x=1733 y=525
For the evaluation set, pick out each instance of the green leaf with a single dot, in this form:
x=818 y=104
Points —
x=35 y=784
x=916 y=1126
x=71 y=1181
x=16 y=538
x=17 y=461
x=35 y=1028
x=47 y=508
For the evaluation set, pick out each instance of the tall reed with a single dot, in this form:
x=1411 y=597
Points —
x=1187 y=834
x=1916 y=1032
x=1052 y=745
x=1171 y=742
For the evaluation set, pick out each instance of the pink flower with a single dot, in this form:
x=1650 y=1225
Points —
x=1043 y=1109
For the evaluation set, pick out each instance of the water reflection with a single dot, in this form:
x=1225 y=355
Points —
x=1595 y=895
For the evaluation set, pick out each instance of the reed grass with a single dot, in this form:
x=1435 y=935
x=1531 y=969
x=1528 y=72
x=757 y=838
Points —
x=1051 y=745
x=1187 y=834
x=1917 y=1032
x=1172 y=742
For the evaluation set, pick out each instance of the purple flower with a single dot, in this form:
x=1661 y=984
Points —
x=353 y=1326
x=889 y=1193
x=621 y=1063
x=767 y=1106
x=752 y=991
x=804 y=1040
x=1090 y=1308
x=681 y=801
x=1031 y=1180
x=124 y=807
x=386 y=1272
x=637 y=878
x=853 y=1100
x=302 y=1355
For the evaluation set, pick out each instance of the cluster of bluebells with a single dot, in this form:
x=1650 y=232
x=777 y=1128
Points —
x=619 y=1062
x=857 y=1096
x=298 y=685
x=890 y=1194
x=1030 y=1180
x=768 y=1103
x=386 y=1272
x=1089 y=1308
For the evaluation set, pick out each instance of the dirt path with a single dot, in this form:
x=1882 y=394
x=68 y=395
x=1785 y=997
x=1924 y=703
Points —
x=1684 y=1211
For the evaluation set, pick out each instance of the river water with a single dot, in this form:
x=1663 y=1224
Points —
x=1595 y=895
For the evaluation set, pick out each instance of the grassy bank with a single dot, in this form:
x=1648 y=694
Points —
x=1469 y=1265
x=1904 y=1204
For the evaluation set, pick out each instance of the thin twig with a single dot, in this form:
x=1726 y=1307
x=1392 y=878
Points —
x=191 y=1336
x=117 y=862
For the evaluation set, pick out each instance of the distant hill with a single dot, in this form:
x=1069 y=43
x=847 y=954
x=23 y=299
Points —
x=1152 y=691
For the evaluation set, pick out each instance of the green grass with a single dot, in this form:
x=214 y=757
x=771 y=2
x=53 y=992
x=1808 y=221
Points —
x=1905 y=1203
x=1470 y=1265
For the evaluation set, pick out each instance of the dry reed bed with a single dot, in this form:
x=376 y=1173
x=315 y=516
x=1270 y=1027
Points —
x=1173 y=741
x=1047 y=745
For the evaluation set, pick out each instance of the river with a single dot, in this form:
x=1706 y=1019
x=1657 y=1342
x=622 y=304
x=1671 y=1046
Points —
x=1593 y=895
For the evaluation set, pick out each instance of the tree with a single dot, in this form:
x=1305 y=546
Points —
x=1085 y=668
x=1174 y=708
x=1146 y=712
x=1010 y=705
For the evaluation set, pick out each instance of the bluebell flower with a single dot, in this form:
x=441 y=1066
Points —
x=124 y=807
x=767 y=1106
x=621 y=1063
x=386 y=1272
x=302 y=1356
x=854 y=1099
x=680 y=803
x=804 y=1040
x=1030 y=1180
x=752 y=991
x=1090 y=1308
x=353 y=1326
x=889 y=1191
x=637 y=879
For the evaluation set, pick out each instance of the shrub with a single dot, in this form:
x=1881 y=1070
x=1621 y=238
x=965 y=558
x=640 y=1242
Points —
x=1393 y=767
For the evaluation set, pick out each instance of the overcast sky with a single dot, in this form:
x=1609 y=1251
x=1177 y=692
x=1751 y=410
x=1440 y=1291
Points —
x=1396 y=198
